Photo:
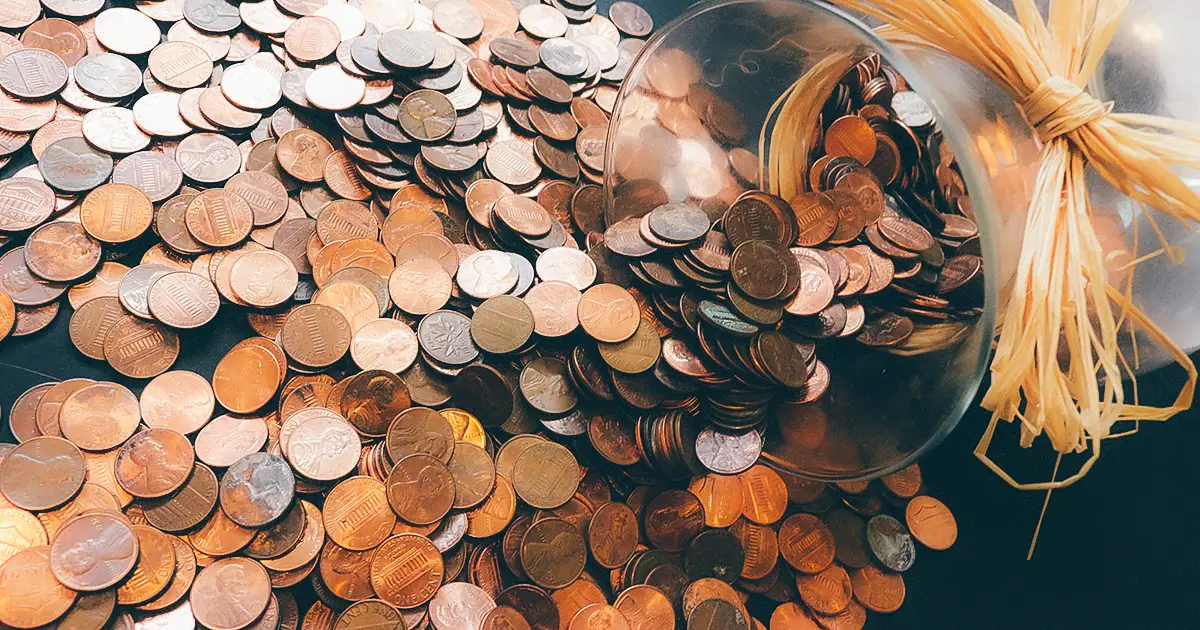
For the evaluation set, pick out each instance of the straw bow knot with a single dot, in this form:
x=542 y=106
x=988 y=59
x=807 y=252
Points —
x=1058 y=106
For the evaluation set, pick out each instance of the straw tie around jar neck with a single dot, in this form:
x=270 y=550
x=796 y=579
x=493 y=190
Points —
x=1058 y=106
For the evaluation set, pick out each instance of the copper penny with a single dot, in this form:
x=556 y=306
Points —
x=407 y=570
x=219 y=536
x=264 y=194
x=61 y=251
x=22 y=417
x=420 y=489
x=99 y=416
x=21 y=531
x=721 y=496
x=876 y=590
x=49 y=406
x=357 y=515
x=183 y=573
x=311 y=38
x=230 y=593
x=55 y=464
x=420 y=286
x=94 y=551
x=828 y=592
x=612 y=535
x=32 y=73
x=806 y=543
x=30 y=595
x=246 y=378
x=154 y=568
x=553 y=553
x=219 y=218
x=609 y=313
x=154 y=463
x=189 y=506
x=316 y=335
x=493 y=516
x=546 y=475
x=420 y=430
x=347 y=573
x=931 y=522
x=302 y=154
x=645 y=607
x=765 y=496
x=554 y=306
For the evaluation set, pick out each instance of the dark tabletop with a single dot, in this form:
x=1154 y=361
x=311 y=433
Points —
x=1117 y=550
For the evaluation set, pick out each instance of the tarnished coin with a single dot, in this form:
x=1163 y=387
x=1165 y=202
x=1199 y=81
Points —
x=154 y=463
x=890 y=543
x=257 y=489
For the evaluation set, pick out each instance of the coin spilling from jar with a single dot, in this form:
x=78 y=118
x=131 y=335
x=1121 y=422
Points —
x=465 y=399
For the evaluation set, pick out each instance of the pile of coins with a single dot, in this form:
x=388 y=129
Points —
x=449 y=415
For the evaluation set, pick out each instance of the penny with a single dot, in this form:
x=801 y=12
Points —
x=931 y=522
x=99 y=416
x=459 y=19
x=208 y=158
x=474 y=475
x=890 y=543
x=61 y=252
x=554 y=306
x=427 y=115
x=154 y=463
x=553 y=553
x=54 y=462
x=79 y=562
x=876 y=590
x=407 y=571
x=154 y=568
x=189 y=506
x=487 y=274
x=494 y=515
x=323 y=446
x=420 y=286
x=226 y=439
x=257 y=489
x=608 y=313
x=183 y=300
x=828 y=592
x=230 y=593
x=612 y=535
x=645 y=607
x=358 y=517
x=765 y=495
x=316 y=335
x=721 y=497
x=546 y=475
x=302 y=154
x=21 y=531
x=31 y=596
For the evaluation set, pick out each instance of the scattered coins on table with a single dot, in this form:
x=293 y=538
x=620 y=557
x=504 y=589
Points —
x=467 y=399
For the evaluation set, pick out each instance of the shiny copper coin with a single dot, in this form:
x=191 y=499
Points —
x=357 y=515
x=316 y=335
x=645 y=607
x=94 y=551
x=219 y=218
x=41 y=473
x=876 y=590
x=302 y=154
x=154 y=463
x=420 y=488
x=931 y=522
x=765 y=495
x=154 y=568
x=828 y=592
x=230 y=593
x=246 y=378
x=407 y=570
x=322 y=446
x=30 y=596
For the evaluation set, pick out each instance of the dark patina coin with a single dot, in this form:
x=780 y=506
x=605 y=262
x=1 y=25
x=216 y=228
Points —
x=553 y=553
x=281 y=537
x=885 y=329
x=890 y=543
x=257 y=489
x=849 y=536
x=717 y=613
x=481 y=390
x=759 y=269
x=714 y=553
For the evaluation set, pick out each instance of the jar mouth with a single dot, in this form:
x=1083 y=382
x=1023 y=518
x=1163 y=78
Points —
x=973 y=170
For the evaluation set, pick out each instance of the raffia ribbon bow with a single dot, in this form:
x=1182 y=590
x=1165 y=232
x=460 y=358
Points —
x=1061 y=296
x=1057 y=107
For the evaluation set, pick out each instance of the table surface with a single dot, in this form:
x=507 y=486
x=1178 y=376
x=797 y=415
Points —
x=1117 y=550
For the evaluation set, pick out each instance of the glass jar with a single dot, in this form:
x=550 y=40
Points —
x=882 y=409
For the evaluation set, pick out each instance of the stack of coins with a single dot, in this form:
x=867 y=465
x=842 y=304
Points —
x=448 y=415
